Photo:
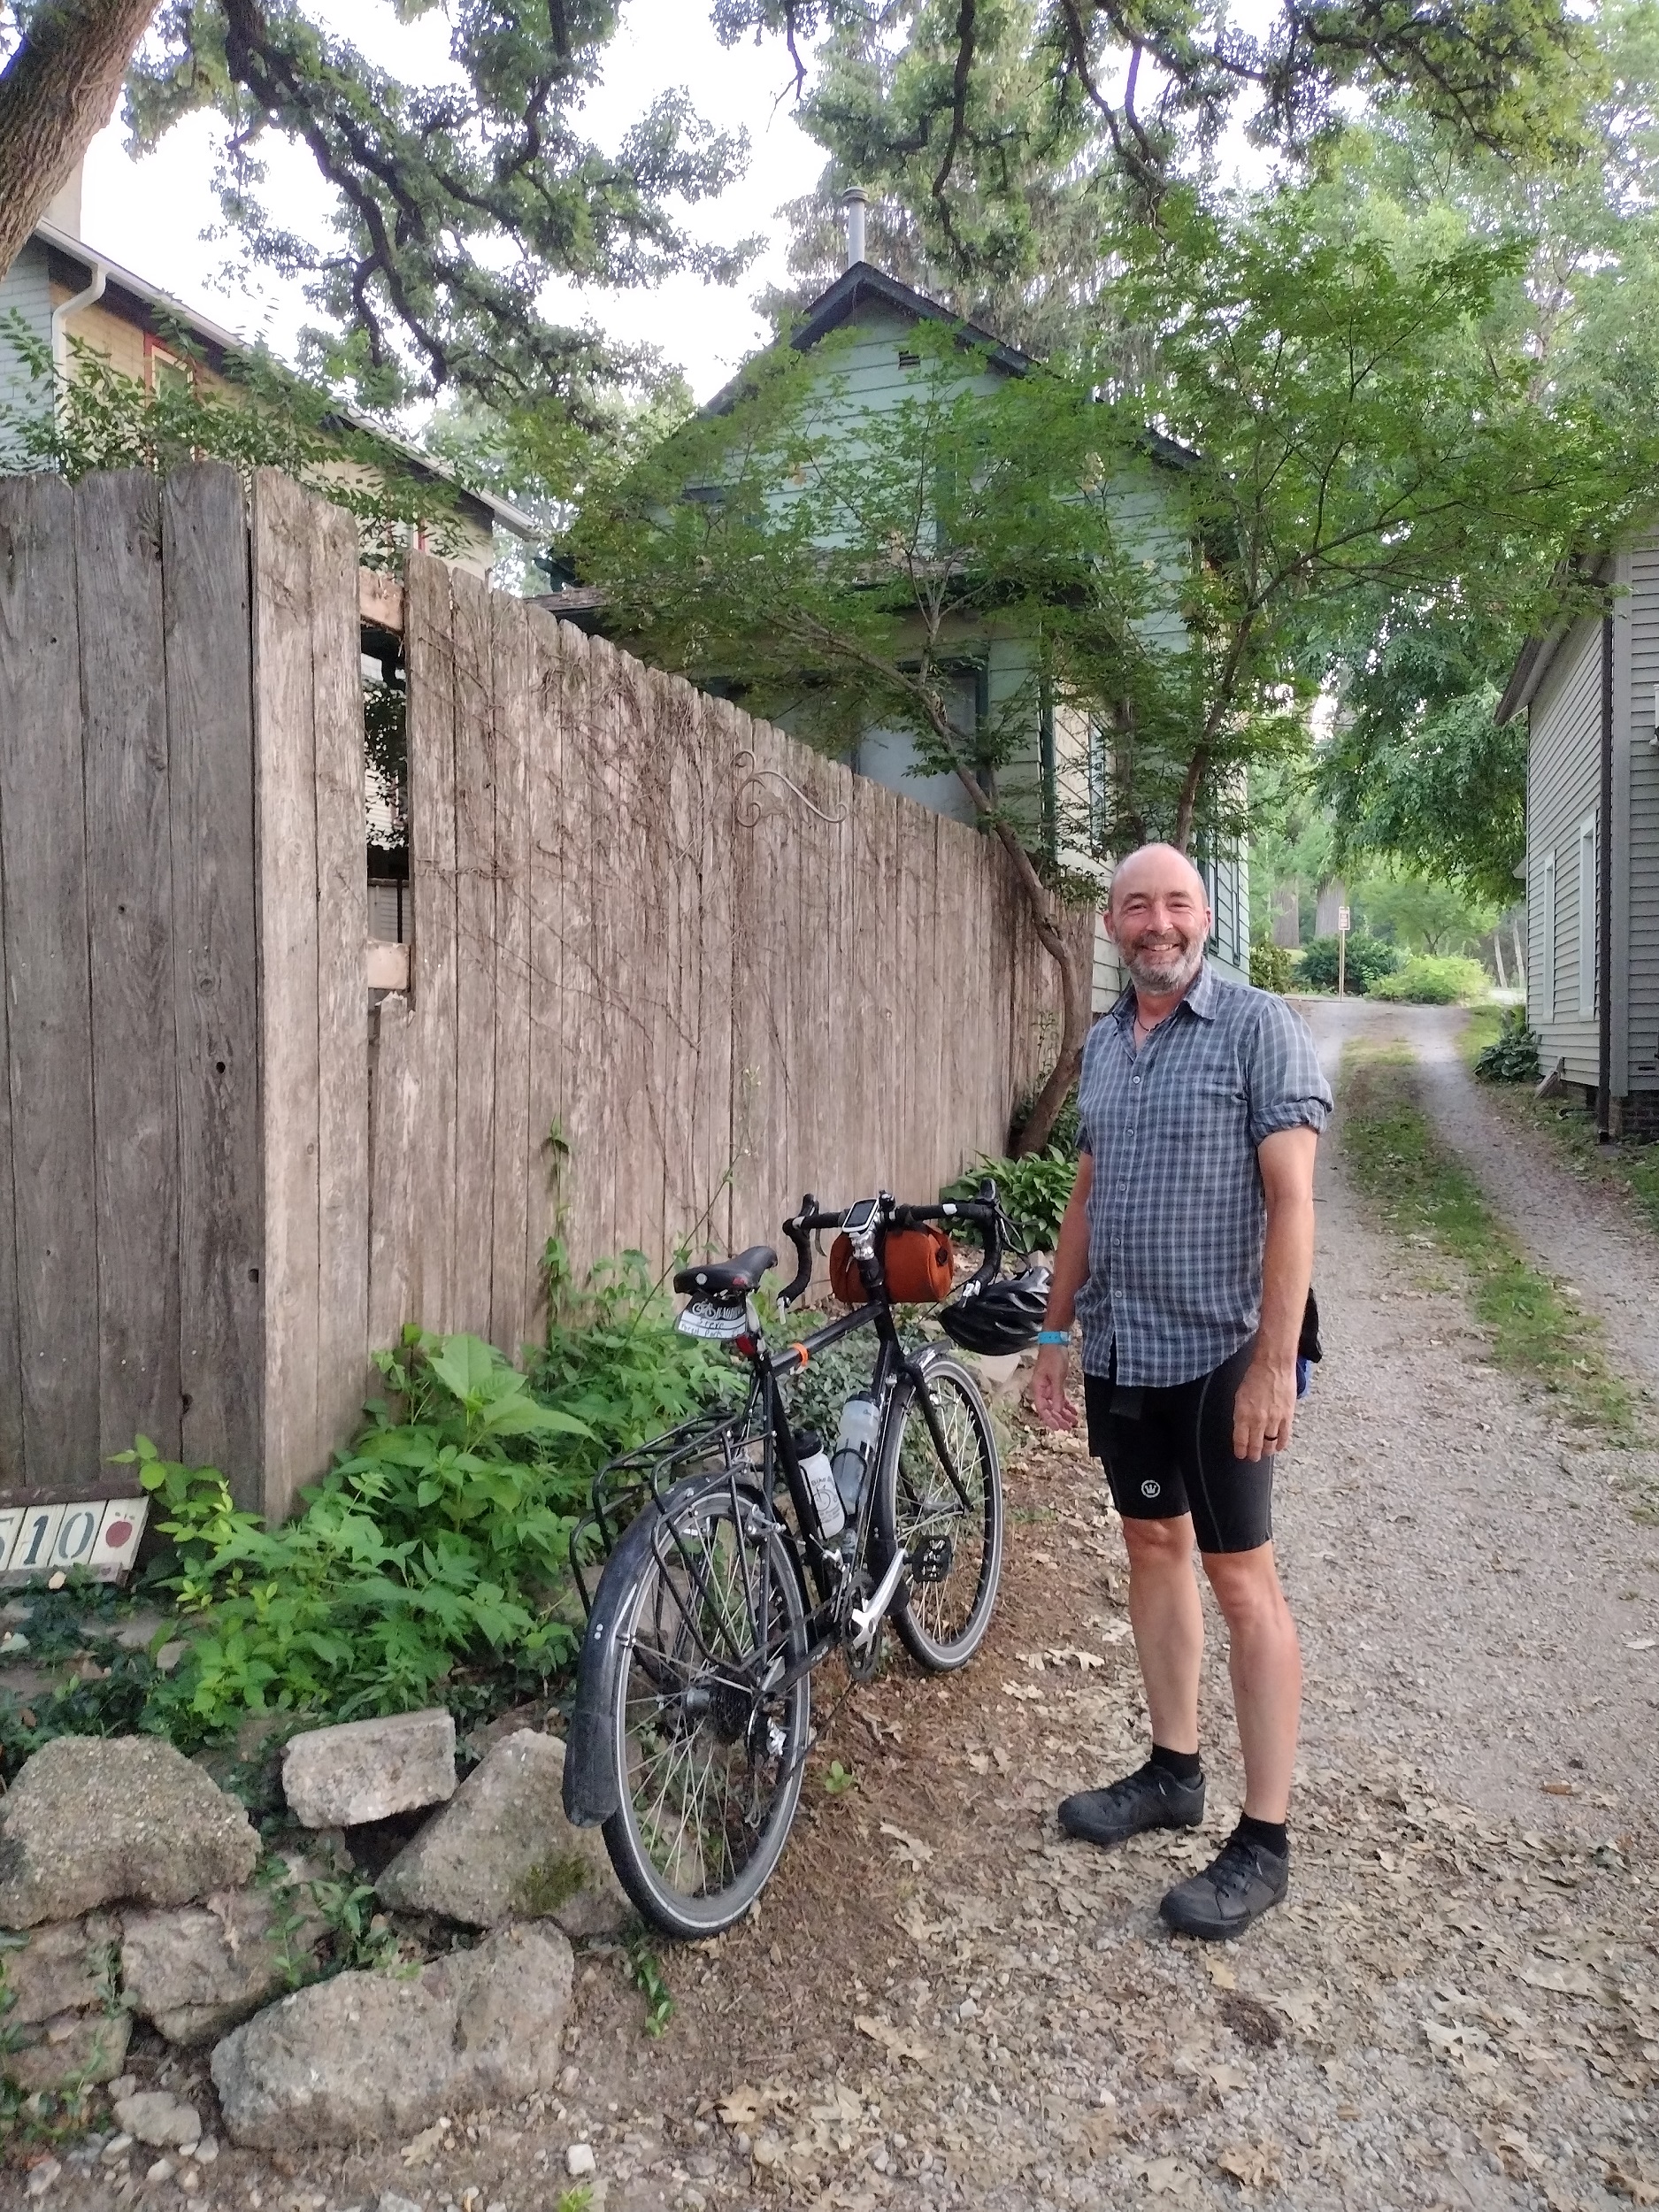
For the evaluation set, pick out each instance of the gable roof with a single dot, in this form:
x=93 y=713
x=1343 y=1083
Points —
x=864 y=285
x=147 y=301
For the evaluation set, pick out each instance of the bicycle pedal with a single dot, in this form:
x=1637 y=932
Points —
x=931 y=1561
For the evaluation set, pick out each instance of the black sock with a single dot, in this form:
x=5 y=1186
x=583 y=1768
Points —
x=1186 y=1766
x=1272 y=1835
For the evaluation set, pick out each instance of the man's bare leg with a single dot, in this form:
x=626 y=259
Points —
x=1264 y=1661
x=1168 y=1621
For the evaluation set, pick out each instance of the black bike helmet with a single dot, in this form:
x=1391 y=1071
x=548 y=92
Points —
x=1002 y=1317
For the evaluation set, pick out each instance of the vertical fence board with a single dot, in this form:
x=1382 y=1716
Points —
x=130 y=871
x=342 y=1016
x=583 y=1071
x=429 y=650
x=286 y=814
x=707 y=927
x=475 y=950
x=513 y=678
x=639 y=978
x=395 y=1109
x=54 y=1318
x=208 y=645
x=552 y=677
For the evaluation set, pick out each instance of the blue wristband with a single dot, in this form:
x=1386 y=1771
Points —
x=1053 y=1336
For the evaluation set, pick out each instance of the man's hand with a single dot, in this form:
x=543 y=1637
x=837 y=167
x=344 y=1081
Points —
x=1048 y=1400
x=1264 y=1411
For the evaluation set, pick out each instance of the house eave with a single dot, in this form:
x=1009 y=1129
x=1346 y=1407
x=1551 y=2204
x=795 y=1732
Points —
x=1539 y=652
x=222 y=342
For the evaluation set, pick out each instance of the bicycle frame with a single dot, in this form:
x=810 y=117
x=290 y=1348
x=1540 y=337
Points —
x=721 y=1444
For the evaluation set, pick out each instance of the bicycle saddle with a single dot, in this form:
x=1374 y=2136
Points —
x=723 y=1279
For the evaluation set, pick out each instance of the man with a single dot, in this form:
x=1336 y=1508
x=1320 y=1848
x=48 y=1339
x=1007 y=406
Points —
x=1185 y=1255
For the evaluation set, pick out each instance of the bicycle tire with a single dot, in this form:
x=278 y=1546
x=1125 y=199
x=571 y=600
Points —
x=687 y=1737
x=915 y=1501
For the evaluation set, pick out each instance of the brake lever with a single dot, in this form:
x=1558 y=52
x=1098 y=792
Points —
x=802 y=1243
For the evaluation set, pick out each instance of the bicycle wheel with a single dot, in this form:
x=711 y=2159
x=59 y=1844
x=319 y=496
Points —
x=952 y=1537
x=711 y=1757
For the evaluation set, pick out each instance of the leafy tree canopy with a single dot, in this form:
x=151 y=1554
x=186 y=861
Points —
x=946 y=106
x=455 y=201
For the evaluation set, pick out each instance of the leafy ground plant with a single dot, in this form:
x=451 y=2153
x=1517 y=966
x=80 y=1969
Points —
x=645 y=1972
x=1034 y=1192
x=1423 y=1192
x=1512 y=1054
x=437 y=1539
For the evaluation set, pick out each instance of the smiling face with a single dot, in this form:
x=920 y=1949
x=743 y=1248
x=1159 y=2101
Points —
x=1159 y=919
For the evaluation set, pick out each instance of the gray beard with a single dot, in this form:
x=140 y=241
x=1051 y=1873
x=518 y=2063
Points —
x=1163 y=972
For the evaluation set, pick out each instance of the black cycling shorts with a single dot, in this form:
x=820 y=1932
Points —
x=1169 y=1452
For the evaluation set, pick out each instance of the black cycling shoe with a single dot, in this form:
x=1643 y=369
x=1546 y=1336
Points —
x=1151 y=1797
x=1235 y=1889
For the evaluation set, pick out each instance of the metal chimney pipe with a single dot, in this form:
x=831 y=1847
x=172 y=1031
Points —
x=854 y=200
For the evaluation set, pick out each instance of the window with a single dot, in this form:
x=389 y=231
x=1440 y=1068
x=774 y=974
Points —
x=166 y=370
x=1546 y=939
x=1586 y=917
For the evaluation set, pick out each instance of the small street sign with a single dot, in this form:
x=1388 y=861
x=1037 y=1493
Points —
x=1341 y=919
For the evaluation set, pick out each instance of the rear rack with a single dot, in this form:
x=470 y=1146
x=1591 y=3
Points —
x=625 y=1484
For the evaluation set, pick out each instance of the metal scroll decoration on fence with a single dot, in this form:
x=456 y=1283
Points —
x=747 y=808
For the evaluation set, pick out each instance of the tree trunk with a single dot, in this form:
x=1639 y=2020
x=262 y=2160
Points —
x=1076 y=977
x=1076 y=982
x=56 y=93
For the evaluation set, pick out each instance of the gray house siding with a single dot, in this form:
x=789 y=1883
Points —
x=1637 y=619
x=1562 y=802
x=25 y=291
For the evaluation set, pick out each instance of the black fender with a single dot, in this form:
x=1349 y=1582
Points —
x=591 y=1787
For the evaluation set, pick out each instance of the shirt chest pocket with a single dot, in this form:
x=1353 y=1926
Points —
x=1208 y=1114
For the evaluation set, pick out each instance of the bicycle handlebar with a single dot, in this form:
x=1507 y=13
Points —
x=985 y=1212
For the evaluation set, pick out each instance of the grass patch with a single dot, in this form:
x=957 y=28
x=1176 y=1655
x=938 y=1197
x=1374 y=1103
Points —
x=1425 y=1194
x=1625 y=1166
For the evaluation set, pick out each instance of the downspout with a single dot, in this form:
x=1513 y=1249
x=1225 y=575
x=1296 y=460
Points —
x=1604 y=893
x=60 y=334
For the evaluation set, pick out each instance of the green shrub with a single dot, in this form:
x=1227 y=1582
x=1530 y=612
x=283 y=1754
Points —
x=1512 y=1056
x=1369 y=960
x=1272 y=967
x=1428 y=980
x=1034 y=1192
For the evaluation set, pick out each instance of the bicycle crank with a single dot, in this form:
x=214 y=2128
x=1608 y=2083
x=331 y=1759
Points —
x=868 y=1617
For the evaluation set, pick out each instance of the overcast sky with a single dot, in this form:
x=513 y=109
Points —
x=150 y=215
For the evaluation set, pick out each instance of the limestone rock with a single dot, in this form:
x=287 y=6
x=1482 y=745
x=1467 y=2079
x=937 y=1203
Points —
x=68 y=1966
x=74 y=2047
x=157 y=2117
x=367 y=1770
x=383 y=2053
x=502 y=1849
x=197 y=1970
x=93 y=1818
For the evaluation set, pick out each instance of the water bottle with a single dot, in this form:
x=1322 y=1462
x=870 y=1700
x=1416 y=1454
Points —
x=855 y=1448
x=820 y=1480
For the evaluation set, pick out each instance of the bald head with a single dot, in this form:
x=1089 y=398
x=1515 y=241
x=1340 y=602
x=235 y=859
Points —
x=1150 y=869
x=1159 y=917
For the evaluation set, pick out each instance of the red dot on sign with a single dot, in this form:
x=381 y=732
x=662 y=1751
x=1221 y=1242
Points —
x=117 y=1534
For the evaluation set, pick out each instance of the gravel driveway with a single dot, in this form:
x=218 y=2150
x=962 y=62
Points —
x=941 y=2003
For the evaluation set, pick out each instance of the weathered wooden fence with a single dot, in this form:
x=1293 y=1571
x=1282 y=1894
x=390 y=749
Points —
x=668 y=969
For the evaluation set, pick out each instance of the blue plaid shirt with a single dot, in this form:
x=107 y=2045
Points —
x=1177 y=1219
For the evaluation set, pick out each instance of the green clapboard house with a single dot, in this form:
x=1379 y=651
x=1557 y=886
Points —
x=1061 y=776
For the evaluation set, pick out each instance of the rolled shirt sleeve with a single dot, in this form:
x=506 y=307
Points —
x=1286 y=1084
